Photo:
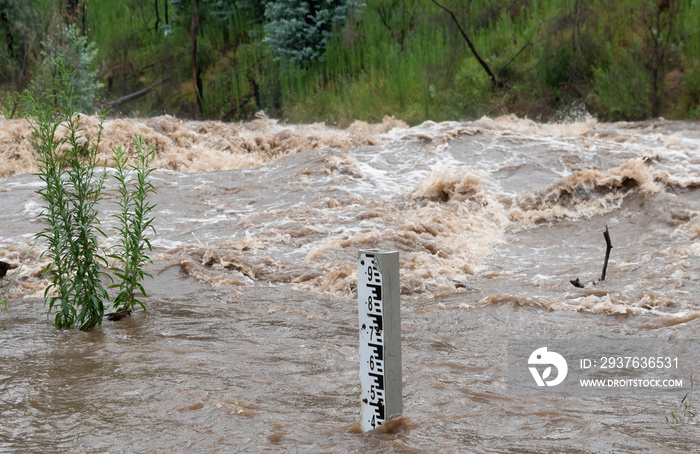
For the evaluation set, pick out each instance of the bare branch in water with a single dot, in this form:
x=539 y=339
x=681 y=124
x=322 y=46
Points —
x=607 y=252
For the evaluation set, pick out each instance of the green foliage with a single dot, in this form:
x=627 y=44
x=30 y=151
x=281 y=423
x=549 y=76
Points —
x=254 y=9
x=692 y=84
x=630 y=75
x=372 y=74
x=624 y=89
x=67 y=159
x=71 y=191
x=557 y=68
x=472 y=87
x=19 y=33
x=341 y=60
x=134 y=220
x=298 y=30
x=79 y=56
x=21 y=29
x=686 y=412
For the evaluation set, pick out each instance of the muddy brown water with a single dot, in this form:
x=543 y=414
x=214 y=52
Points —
x=250 y=340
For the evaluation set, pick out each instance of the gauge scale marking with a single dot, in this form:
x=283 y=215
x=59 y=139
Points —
x=380 y=337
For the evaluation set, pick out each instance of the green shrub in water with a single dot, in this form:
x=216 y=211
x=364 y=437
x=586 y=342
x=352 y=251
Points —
x=70 y=193
x=133 y=223
x=67 y=158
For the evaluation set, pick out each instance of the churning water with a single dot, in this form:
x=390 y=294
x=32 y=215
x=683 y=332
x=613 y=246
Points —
x=250 y=339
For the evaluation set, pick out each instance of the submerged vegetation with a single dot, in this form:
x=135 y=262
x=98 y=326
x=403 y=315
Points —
x=66 y=156
x=71 y=190
x=340 y=60
x=686 y=412
x=133 y=219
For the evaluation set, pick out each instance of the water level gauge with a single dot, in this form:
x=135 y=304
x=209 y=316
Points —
x=380 y=337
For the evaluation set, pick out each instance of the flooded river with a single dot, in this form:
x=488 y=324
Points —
x=250 y=341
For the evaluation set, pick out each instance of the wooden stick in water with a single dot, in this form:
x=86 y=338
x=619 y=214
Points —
x=607 y=252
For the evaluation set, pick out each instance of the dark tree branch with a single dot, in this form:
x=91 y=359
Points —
x=494 y=77
x=607 y=252
x=384 y=17
x=233 y=111
x=4 y=266
x=577 y=282
x=157 y=17
x=135 y=95
x=514 y=56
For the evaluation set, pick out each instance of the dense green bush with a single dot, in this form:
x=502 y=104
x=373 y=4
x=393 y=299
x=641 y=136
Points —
x=472 y=88
x=70 y=193
x=67 y=160
x=298 y=30
x=134 y=220
x=80 y=56
x=623 y=89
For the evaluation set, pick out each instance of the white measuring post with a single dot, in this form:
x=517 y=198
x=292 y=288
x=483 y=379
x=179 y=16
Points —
x=380 y=337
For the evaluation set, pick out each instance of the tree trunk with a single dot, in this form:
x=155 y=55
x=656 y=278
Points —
x=576 y=61
x=83 y=18
x=196 y=73
x=135 y=95
x=157 y=15
x=226 y=33
x=72 y=9
x=8 y=35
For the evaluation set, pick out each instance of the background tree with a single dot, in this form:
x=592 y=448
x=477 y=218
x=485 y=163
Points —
x=494 y=78
x=658 y=29
x=299 y=30
x=79 y=56
x=20 y=36
x=629 y=80
x=399 y=18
